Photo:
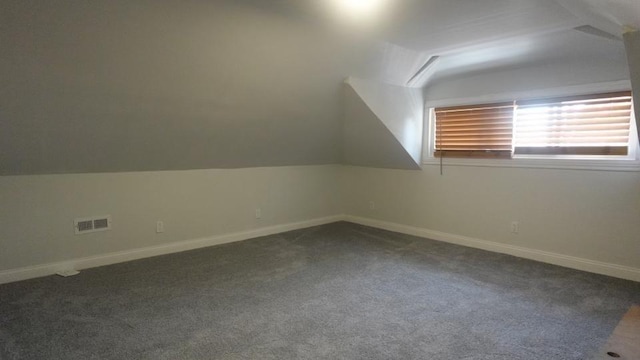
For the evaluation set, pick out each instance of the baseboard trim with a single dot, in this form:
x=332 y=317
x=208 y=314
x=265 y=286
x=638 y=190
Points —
x=36 y=271
x=598 y=267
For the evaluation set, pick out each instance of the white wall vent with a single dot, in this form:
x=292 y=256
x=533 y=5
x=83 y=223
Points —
x=92 y=224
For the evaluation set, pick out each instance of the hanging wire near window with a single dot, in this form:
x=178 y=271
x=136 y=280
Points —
x=441 y=152
x=439 y=130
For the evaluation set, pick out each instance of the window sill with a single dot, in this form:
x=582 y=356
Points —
x=565 y=164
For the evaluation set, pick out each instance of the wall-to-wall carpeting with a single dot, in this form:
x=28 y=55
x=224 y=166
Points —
x=339 y=291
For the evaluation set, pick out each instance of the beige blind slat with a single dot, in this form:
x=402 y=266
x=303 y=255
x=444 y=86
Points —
x=474 y=130
x=582 y=125
x=474 y=154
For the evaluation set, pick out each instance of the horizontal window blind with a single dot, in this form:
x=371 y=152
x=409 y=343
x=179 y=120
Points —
x=580 y=125
x=474 y=130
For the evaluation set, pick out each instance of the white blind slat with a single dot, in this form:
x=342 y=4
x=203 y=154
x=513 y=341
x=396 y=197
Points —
x=567 y=124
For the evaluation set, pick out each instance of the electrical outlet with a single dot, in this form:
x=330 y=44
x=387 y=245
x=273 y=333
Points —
x=258 y=213
x=159 y=227
x=372 y=205
x=515 y=227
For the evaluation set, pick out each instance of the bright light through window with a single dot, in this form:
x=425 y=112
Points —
x=601 y=122
x=586 y=125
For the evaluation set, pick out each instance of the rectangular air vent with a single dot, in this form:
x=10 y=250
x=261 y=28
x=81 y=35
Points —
x=92 y=224
x=100 y=224
x=84 y=225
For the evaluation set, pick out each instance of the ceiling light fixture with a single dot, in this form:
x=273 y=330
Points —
x=361 y=6
x=360 y=9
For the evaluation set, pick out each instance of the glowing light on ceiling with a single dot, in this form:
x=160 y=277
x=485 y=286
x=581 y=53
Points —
x=360 y=9
x=361 y=6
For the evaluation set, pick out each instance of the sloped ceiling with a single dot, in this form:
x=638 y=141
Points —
x=367 y=140
x=613 y=16
x=382 y=125
x=121 y=85
x=147 y=85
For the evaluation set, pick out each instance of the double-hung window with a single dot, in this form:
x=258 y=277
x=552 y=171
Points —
x=590 y=127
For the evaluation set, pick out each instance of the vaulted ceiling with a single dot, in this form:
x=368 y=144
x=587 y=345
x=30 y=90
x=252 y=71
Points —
x=156 y=85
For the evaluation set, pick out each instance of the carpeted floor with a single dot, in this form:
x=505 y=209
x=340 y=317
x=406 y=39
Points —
x=339 y=291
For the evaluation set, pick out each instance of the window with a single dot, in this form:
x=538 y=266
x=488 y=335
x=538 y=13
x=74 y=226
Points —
x=474 y=131
x=579 y=126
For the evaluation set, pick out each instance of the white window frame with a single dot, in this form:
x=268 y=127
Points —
x=630 y=162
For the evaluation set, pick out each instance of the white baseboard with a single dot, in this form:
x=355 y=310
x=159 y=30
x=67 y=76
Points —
x=598 y=267
x=31 y=272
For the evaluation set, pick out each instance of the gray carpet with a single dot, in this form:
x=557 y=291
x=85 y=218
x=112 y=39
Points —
x=339 y=291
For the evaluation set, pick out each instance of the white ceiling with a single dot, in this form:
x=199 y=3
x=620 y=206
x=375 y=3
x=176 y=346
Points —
x=471 y=35
x=567 y=46
x=614 y=16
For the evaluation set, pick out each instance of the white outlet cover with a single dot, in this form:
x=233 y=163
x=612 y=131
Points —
x=515 y=227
